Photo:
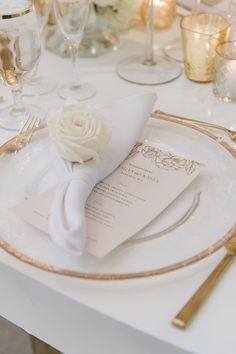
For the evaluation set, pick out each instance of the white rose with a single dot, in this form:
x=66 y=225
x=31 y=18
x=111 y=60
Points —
x=79 y=133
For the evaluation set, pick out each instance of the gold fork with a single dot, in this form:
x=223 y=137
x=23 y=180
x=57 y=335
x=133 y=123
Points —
x=23 y=136
x=183 y=318
x=166 y=116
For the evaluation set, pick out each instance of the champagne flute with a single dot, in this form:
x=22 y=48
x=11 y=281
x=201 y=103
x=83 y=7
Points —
x=42 y=9
x=39 y=84
x=149 y=70
x=174 y=48
x=72 y=16
x=19 y=53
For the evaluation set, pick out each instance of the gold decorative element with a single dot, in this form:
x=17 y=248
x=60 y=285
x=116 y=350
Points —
x=40 y=347
x=17 y=14
x=173 y=118
x=135 y=275
x=7 y=71
x=164 y=13
x=164 y=160
x=200 y=36
x=52 y=19
x=183 y=318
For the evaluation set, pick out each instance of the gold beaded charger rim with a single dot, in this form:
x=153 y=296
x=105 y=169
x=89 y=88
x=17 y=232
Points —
x=141 y=274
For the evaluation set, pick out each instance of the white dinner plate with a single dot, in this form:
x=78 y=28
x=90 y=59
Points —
x=195 y=225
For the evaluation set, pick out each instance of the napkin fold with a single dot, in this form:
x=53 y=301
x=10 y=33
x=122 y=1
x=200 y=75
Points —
x=126 y=118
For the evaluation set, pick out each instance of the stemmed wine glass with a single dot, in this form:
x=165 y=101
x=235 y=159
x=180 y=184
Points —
x=174 y=48
x=149 y=70
x=72 y=16
x=19 y=54
x=40 y=84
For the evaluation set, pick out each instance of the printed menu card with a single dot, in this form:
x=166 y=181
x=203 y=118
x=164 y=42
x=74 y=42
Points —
x=126 y=201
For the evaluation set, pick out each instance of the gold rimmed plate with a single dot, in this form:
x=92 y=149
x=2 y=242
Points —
x=195 y=225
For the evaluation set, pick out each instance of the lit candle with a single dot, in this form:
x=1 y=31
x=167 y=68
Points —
x=164 y=12
x=228 y=77
x=224 y=86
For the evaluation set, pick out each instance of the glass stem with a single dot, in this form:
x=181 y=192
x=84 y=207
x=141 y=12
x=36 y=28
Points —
x=35 y=76
x=149 y=52
x=18 y=104
x=196 y=7
x=74 y=47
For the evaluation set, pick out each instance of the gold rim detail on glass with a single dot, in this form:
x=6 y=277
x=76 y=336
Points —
x=142 y=274
x=16 y=14
x=185 y=18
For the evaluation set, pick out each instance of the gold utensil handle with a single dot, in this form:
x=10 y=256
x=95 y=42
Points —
x=172 y=117
x=7 y=146
x=182 y=319
x=40 y=347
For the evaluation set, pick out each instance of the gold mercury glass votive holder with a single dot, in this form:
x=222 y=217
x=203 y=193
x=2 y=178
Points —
x=200 y=36
x=224 y=86
x=164 y=13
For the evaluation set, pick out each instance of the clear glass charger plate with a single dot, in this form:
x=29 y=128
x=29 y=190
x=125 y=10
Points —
x=196 y=224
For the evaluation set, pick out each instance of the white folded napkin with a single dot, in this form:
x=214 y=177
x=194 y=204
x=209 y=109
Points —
x=126 y=118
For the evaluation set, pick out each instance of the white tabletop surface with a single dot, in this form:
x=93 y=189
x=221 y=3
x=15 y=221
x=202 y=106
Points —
x=87 y=317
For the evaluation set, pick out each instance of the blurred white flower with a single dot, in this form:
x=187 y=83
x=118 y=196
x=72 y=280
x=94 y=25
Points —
x=118 y=14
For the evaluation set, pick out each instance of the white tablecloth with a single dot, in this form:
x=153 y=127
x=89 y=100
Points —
x=84 y=317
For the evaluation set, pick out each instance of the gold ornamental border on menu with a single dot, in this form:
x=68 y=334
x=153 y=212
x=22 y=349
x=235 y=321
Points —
x=140 y=274
x=16 y=14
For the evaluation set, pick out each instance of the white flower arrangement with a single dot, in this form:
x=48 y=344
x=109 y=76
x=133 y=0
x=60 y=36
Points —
x=118 y=14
